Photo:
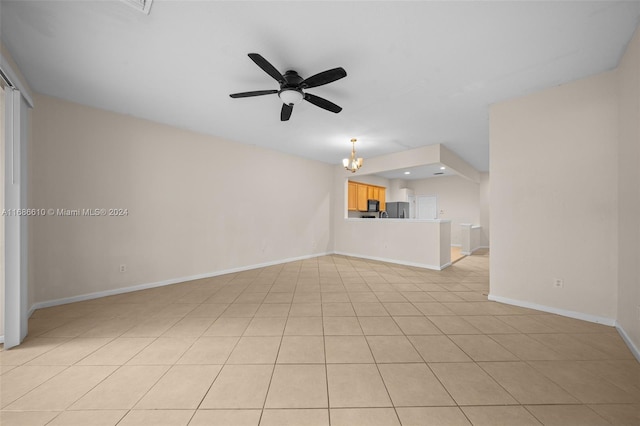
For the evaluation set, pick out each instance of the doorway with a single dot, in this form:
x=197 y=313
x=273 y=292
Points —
x=427 y=207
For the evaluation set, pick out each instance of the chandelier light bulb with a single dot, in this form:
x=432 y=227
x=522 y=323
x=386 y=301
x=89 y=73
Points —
x=353 y=164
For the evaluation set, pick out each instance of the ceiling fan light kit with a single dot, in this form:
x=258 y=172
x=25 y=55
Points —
x=292 y=87
x=290 y=97
x=292 y=92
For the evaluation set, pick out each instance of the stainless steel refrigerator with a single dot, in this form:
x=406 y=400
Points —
x=398 y=209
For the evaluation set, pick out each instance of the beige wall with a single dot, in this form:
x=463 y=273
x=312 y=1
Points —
x=197 y=204
x=423 y=244
x=371 y=180
x=485 y=210
x=394 y=189
x=457 y=197
x=554 y=203
x=629 y=190
x=453 y=162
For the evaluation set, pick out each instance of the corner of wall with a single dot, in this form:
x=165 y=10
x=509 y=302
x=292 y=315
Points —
x=454 y=162
x=628 y=167
x=485 y=209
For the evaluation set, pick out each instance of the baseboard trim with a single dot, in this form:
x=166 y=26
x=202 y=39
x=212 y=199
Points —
x=563 y=312
x=123 y=290
x=469 y=253
x=571 y=314
x=632 y=347
x=397 y=262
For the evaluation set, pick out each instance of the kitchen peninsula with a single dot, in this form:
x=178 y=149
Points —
x=414 y=242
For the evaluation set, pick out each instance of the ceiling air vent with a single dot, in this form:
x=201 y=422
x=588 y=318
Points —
x=143 y=6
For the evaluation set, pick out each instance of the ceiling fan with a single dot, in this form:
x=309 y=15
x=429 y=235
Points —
x=292 y=85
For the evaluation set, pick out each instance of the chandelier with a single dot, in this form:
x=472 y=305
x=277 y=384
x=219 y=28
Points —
x=352 y=164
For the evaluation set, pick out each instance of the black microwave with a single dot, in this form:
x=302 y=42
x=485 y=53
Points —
x=373 y=205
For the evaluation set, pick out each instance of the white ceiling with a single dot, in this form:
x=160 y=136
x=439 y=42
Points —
x=419 y=73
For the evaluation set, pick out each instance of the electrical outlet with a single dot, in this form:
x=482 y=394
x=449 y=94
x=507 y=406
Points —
x=123 y=268
x=558 y=283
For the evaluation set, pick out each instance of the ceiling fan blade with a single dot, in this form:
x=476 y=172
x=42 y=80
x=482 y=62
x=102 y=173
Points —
x=286 y=111
x=267 y=67
x=254 y=93
x=322 y=103
x=324 y=78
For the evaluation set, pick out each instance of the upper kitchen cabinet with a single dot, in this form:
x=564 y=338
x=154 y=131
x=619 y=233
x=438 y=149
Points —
x=363 y=196
x=373 y=192
x=359 y=193
x=353 y=196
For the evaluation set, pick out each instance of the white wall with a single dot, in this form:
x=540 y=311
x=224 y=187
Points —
x=629 y=190
x=197 y=204
x=554 y=204
x=458 y=198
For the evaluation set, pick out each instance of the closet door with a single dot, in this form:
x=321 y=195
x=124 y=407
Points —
x=427 y=207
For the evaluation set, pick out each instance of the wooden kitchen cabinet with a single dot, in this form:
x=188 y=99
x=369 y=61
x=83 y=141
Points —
x=363 y=196
x=373 y=192
x=353 y=196
x=359 y=194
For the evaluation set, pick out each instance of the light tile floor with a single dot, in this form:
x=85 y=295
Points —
x=327 y=341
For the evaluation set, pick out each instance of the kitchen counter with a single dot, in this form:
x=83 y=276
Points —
x=414 y=242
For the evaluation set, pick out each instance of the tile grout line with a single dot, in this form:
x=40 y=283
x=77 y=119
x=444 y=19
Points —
x=378 y=369
x=244 y=289
x=326 y=367
x=266 y=395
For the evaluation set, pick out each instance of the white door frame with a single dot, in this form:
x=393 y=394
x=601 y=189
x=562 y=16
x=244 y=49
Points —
x=17 y=103
x=15 y=291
